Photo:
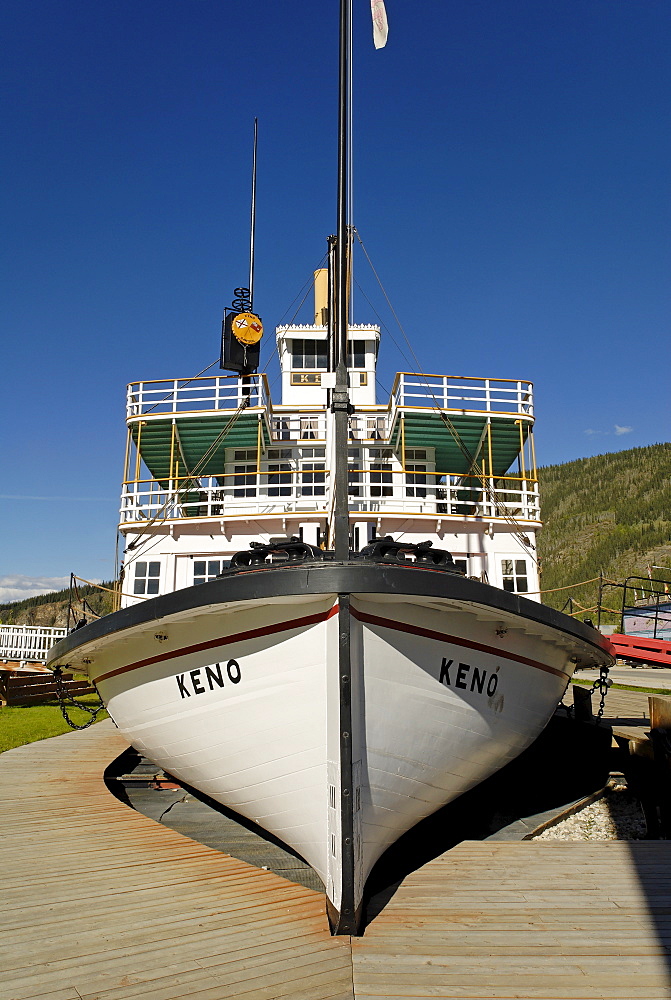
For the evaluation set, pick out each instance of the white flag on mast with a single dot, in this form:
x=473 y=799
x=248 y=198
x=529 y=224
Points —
x=380 y=26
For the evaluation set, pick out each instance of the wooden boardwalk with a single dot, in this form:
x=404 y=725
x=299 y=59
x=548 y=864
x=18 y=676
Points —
x=101 y=903
x=627 y=712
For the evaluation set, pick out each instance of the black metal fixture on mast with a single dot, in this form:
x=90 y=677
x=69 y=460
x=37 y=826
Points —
x=241 y=328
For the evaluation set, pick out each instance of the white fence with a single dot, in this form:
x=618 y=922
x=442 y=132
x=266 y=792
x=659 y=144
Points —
x=28 y=642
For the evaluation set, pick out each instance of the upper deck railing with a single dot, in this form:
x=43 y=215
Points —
x=410 y=390
x=28 y=642
x=216 y=393
x=449 y=392
x=294 y=489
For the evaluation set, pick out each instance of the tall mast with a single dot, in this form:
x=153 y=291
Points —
x=340 y=397
x=252 y=221
x=346 y=919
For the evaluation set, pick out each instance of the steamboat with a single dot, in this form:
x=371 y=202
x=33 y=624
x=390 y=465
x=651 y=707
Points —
x=330 y=619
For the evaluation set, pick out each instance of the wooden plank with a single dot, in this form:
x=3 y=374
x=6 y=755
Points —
x=660 y=711
x=101 y=903
x=538 y=919
x=97 y=897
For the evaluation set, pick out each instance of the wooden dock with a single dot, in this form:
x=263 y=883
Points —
x=101 y=903
x=628 y=713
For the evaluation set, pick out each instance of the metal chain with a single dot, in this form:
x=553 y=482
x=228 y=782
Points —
x=601 y=684
x=64 y=698
x=562 y=704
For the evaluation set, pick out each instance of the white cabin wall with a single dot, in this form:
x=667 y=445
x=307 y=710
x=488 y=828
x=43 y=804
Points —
x=177 y=551
x=483 y=550
x=307 y=387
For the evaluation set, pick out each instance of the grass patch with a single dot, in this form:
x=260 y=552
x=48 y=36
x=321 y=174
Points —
x=21 y=724
x=626 y=687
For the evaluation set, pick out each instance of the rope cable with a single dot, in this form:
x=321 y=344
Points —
x=472 y=459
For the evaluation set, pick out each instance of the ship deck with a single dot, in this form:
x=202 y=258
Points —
x=102 y=903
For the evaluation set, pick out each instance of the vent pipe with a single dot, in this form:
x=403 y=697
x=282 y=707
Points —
x=321 y=296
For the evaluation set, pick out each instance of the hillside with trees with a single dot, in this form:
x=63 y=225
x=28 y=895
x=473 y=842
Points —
x=52 y=609
x=611 y=514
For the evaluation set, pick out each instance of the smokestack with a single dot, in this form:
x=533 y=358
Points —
x=321 y=296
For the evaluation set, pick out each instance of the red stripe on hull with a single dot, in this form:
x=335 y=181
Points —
x=224 y=640
x=456 y=640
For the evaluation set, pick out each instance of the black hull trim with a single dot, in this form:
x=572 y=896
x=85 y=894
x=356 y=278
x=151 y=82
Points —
x=352 y=577
x=347 y=920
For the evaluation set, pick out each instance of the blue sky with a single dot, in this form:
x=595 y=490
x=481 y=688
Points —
x=512 y=188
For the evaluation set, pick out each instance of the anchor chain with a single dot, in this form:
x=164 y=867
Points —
x=64 y=699
x=601 y=684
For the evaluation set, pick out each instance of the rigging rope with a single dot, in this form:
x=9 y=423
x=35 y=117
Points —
x=182 y=386
x=472 y=459
x=193 y=475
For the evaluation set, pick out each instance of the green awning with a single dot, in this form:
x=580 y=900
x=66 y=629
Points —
x=431 y=431
x=196 y=437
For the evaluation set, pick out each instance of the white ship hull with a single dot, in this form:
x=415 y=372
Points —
x=237 y=689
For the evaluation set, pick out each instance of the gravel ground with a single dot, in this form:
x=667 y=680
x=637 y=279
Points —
x=616 y=816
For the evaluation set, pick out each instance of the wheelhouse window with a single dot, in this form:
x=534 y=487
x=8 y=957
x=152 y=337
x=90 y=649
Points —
x=308 y=354
x=514 y=575
x=146 y=577
x=207 y=569
x=356 y=354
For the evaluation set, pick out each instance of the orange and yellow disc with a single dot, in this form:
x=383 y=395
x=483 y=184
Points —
x=247 y=328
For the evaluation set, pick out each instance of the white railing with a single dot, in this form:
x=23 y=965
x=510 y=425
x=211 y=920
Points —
x=467 y=394
x=384 y=491
x=219 y=392
x=28 y=642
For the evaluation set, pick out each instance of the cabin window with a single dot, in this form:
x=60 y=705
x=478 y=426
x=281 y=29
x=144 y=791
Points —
x=374 y=428
x=244 y=480
x=462 y=565
x=354 y=472
x=514 y=575
x=308 y=354
x=415 y=472
x=313 y=472
x=146 y=577
x=207 y=569
x=313 y=477
x=380 y=472
x=243 y=469
x=279 y=475
x=415 y=478
x=282 y=428
x=356 y=354
x=279 y=479
x=309 y=428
